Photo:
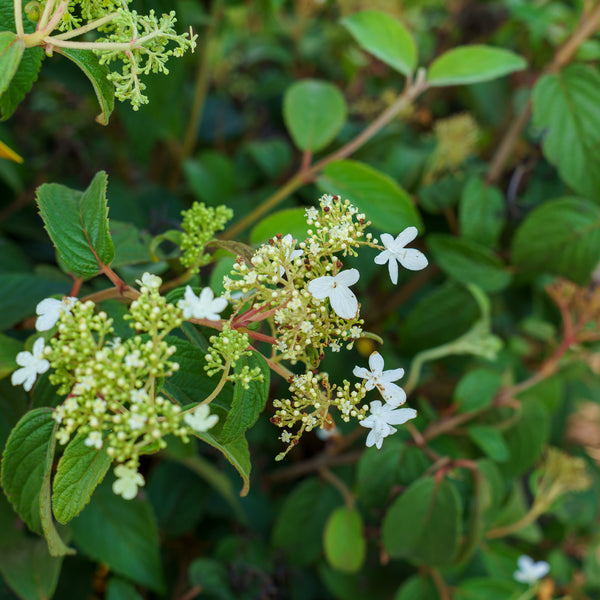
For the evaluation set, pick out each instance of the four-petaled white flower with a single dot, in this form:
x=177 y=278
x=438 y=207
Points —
x=150 y=281
x=50 y=310
x=201 y=420
x=336 y=288
x=395 y=253
x=530 y=571
x=32 y=364
x=393 y=394
x=127 y=482
x=382 y=418
x=290 y=254
x=204 y=306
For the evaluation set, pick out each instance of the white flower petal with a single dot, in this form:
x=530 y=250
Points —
x=361 y=372
x=393 y=394
x=405 y=237
x=347 y=278
x=399 y=416
x=413 y=260
x=376 y=362
x=393 y=270
x=344 y=302
x=383 y=257
x=387 y=240
x=321 y=287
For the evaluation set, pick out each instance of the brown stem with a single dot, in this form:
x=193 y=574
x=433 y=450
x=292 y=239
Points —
x=342 y=488
x=441 y=586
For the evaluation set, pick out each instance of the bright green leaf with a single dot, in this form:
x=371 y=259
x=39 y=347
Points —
x=344 y=541
x=383 y=201
x=566 y=106
x=473 y=64
x=561 y=237
x=314 y=112
x=97 y=73
x=80 y=469
x=490 y=441
x=11 y=51
x=21 y=82
x=384 y=37
x=288 y=221
x=488 y=588
x=476 y=389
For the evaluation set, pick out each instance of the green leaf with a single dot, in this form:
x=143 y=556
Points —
x=561 y=237
x=490 y=441
x=473 y=64
x=97 y=73
x=383 y=201
x=247 y=404
x=299 y=525
x=417 y=588
x=21 y=82
x=132 y=247
x=314 y=112
x=289 y=220
x=122 y=534
x=424 y=524
x=377 y=472
x=11 y=51
x=119 y=589
x=24 y=464
x=79 y=471
x=566 y=105
x=384 y=37
x=477 y=389
x=485 y=587
x=9 y=348
x=344 y=541
x=78 y=225
x=211 y=177
x=468 y=262
x=212 y=578
x=482 y=212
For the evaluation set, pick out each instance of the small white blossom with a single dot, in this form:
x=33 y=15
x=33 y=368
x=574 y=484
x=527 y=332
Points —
x=286 y=437
x=393 y=394
x=335 y=347
x=150 y=281
x=204 y=306
x=50 y=310
x=127 y=482
x=355 y=331
x=290 y=254
x=530 y=571
x=134 y=361
x=138 y=396
x=201 y=420
x=94 y=440
x=136 y=421
x=382 y=418
x=114 y=343
x=311 y=213
x=337 y=289
x=395 y=253
x=326 y=200
x=32 y=365
x=62 y=436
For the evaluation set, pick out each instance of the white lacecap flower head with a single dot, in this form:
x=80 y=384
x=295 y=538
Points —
x=290 y=254
x=337 y=289
x=150 y=281
x=200 y=419
x=382 y=418
x=127 y=482
x=204 y=306
x=395 y=252
x=393 y=394
x=50 y=310
x=32 y=364
x=530 y=571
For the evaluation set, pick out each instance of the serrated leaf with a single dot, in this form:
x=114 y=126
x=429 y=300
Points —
x=24 y=464
x=473 y=64
x=566 y=106
x=11 y=51
x=78 y=225
x=314 y=112
x=344 y=541
x=468 y=262
x=383 y=201
x=384 y=37
x=97 y=73
x=424 y=524
x=288 y=221
x=247 y=404
x=21 y=82
x=131 y=245
x=122 y=534
x=561 y=237
x=80 y=469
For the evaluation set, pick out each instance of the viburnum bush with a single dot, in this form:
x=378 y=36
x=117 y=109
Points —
x=346 y=254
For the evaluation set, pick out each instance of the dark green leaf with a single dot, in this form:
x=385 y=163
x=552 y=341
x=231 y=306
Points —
x=561 y=237
x=21 y=82
x=567 y=106
x=9 y=348
x=488 y=588
x=384 y=37
x=212 y=578
x=11 y=51
x=473 y=64
x=477 y=389
x=417 y=588
x=97 y=73
x=80 y=469
x=119 y=589
x=314 y=112
x=490 y=441
x=288 y=221
x=344 y=541
x=382 y=200
x=377 y=473
x=211 y=177
x=131 y=245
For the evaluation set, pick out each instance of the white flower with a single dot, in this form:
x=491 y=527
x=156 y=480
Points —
x=393 y=394
x=382 y=418
x=335 y=347
x=50 y=310
x=150 y=281
x=395 y=253
x=133 y=360
x=94 y=440
x=62 y=436
x=286 y=437
x=204 y=306
x=127 y=483
x=342 y=298
x=138 y=396
x=32 y=365
x=201 y=420
x=136 y=421
x=290 y=254
x=311 y=214
x=530 y=571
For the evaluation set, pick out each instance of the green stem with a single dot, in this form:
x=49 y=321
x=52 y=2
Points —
x=219 y=387
x=45 y=15
x=342 y=488
x=19 y=18
x=34 y=39
x=89 y=27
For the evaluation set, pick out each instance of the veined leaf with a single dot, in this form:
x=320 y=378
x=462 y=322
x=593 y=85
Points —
x=11 y=51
